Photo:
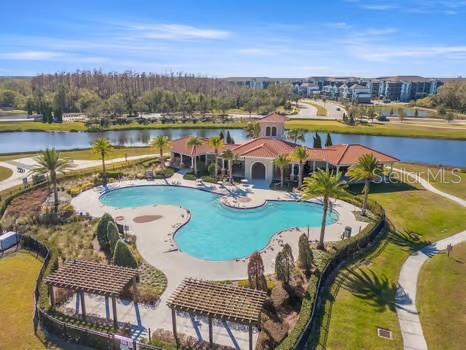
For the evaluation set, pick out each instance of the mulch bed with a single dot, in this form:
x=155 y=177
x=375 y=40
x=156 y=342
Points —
x=28 y=203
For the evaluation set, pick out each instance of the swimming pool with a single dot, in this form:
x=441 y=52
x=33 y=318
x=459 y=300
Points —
x=216 y=232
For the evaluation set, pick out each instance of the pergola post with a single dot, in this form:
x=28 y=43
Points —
x=250 y=336
x=52 y=296
x=115 y=317
x=135 y=291
x=174 y=325
x=83 y=305
x=211 y=336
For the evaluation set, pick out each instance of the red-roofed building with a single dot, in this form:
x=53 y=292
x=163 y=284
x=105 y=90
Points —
x=255 y=158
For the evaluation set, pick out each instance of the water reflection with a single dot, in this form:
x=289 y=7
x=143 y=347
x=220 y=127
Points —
x=430 y=151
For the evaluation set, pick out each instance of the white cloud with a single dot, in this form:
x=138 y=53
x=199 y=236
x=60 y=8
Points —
x=255 y=52
x=30 y=55
x=179 y=32
x=337 y=25
x=378 y=7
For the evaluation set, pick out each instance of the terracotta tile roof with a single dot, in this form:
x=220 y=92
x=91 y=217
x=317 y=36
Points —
x=181 y=146
x=350 y=154
x=273 y=118
x=264 y=147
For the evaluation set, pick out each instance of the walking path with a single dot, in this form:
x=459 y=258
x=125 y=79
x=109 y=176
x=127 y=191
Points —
x=431 y=188
x=28 y=163
x=408 y=316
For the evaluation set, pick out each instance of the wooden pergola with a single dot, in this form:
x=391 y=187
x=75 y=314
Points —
x=217 y=301
x=84 y=276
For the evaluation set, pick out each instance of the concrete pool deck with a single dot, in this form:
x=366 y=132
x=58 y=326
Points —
x=155 y=243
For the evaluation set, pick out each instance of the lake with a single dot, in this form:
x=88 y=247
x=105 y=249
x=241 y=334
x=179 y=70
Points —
x=429 y=151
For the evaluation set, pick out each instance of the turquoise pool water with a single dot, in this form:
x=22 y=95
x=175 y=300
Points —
x=216 y=232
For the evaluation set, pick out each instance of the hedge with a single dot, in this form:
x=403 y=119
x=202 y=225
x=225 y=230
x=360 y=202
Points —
x=344 y=249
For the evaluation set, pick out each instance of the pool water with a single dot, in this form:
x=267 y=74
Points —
x=216 y=232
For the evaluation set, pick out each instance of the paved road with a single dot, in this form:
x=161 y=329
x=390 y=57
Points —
x=408 y=316
x=310 y=112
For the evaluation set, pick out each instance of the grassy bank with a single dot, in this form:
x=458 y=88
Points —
x=5 y=173
x=402 y=130
x=321 y=110
x=19 y=273
x=41 y=127
x=440 y=299
x=364 y=295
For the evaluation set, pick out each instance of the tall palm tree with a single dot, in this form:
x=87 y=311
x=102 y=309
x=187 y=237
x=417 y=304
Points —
x=51 y=162
x=366 y=169
x=103 y=147
x=216 y=143
x=253 y=130
x=230 y=156
x=300 y=155
x=325 y=184
x=281 y=162
x=296 y=135
x=194 y=142
x=162 y=143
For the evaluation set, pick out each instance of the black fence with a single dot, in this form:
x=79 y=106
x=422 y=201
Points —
x=69 y=332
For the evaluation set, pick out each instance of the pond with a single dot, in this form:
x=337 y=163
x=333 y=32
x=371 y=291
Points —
x=419 y=150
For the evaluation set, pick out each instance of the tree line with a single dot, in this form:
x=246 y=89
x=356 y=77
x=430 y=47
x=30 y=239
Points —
x=99 y=94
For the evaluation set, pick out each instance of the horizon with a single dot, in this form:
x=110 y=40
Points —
x=272 y=39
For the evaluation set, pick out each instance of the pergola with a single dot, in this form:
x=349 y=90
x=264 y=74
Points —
x=84 y=276
x=217 y=301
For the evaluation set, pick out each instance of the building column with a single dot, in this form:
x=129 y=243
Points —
x=250 y=337
x=326 y=166
x=115 y=317
x=83 y=305
x=338 y=169
x=174 y=325
x=313 y=166
x=52 y=296
x=211 y=336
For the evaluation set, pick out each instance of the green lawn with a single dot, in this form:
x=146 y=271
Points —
x=4 y=113
x=38 y=126
x=321 y=110
x=441 y=302
x=18 y=277
x=447 y=180
x=400 y=129
x=117 y=152
x=5 y=173
x=365 y=293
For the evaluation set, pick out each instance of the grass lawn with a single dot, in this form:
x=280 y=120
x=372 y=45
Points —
x=18 y=273
x=363 y=299
x=117 y=152
x=400 y=129
x=38 y=126
x=321 y=110
x=440 y=299
x=4 y=113
x=446 y=180
x=5 y=173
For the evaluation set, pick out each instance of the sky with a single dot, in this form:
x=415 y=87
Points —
x=224 y=38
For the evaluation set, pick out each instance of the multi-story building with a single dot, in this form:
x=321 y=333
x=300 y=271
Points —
x=360 y=93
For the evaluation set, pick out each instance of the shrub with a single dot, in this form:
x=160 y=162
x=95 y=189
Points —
x=112 y=235
x=209 y=179
x=102 y=227
x=164 y=173
x=123 y=256
x=189 y=176
x=305 y=254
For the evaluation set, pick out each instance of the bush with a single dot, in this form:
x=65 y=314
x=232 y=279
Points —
x=102 y=227
x=190 y=176
x=209 y=179
x=112 y=236
x=123 y=256
x=164 y=173
x=74 y=191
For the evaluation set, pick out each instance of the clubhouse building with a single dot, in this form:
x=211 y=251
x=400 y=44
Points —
x=255 y=158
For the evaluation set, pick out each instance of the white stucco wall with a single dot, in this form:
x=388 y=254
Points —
x=280 y=129
x=268 y=163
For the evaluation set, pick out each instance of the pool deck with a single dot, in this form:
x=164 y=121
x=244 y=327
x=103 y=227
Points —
x=156 y=245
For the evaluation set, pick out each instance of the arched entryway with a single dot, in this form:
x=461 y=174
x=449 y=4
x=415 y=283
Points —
x=258 y=171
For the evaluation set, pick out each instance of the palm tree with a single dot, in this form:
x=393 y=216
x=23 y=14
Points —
x=51 y=162
x=230 y=156
x=325 y=184
x=296 y=135
x=366 y=169
x=253 y=130
x=216 y=143
x=281 y=162
x=194 y=142
x=300 y=155
x=161 y=143
x=103 y=147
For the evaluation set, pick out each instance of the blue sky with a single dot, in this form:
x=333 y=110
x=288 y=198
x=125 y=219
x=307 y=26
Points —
x=235 y=38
